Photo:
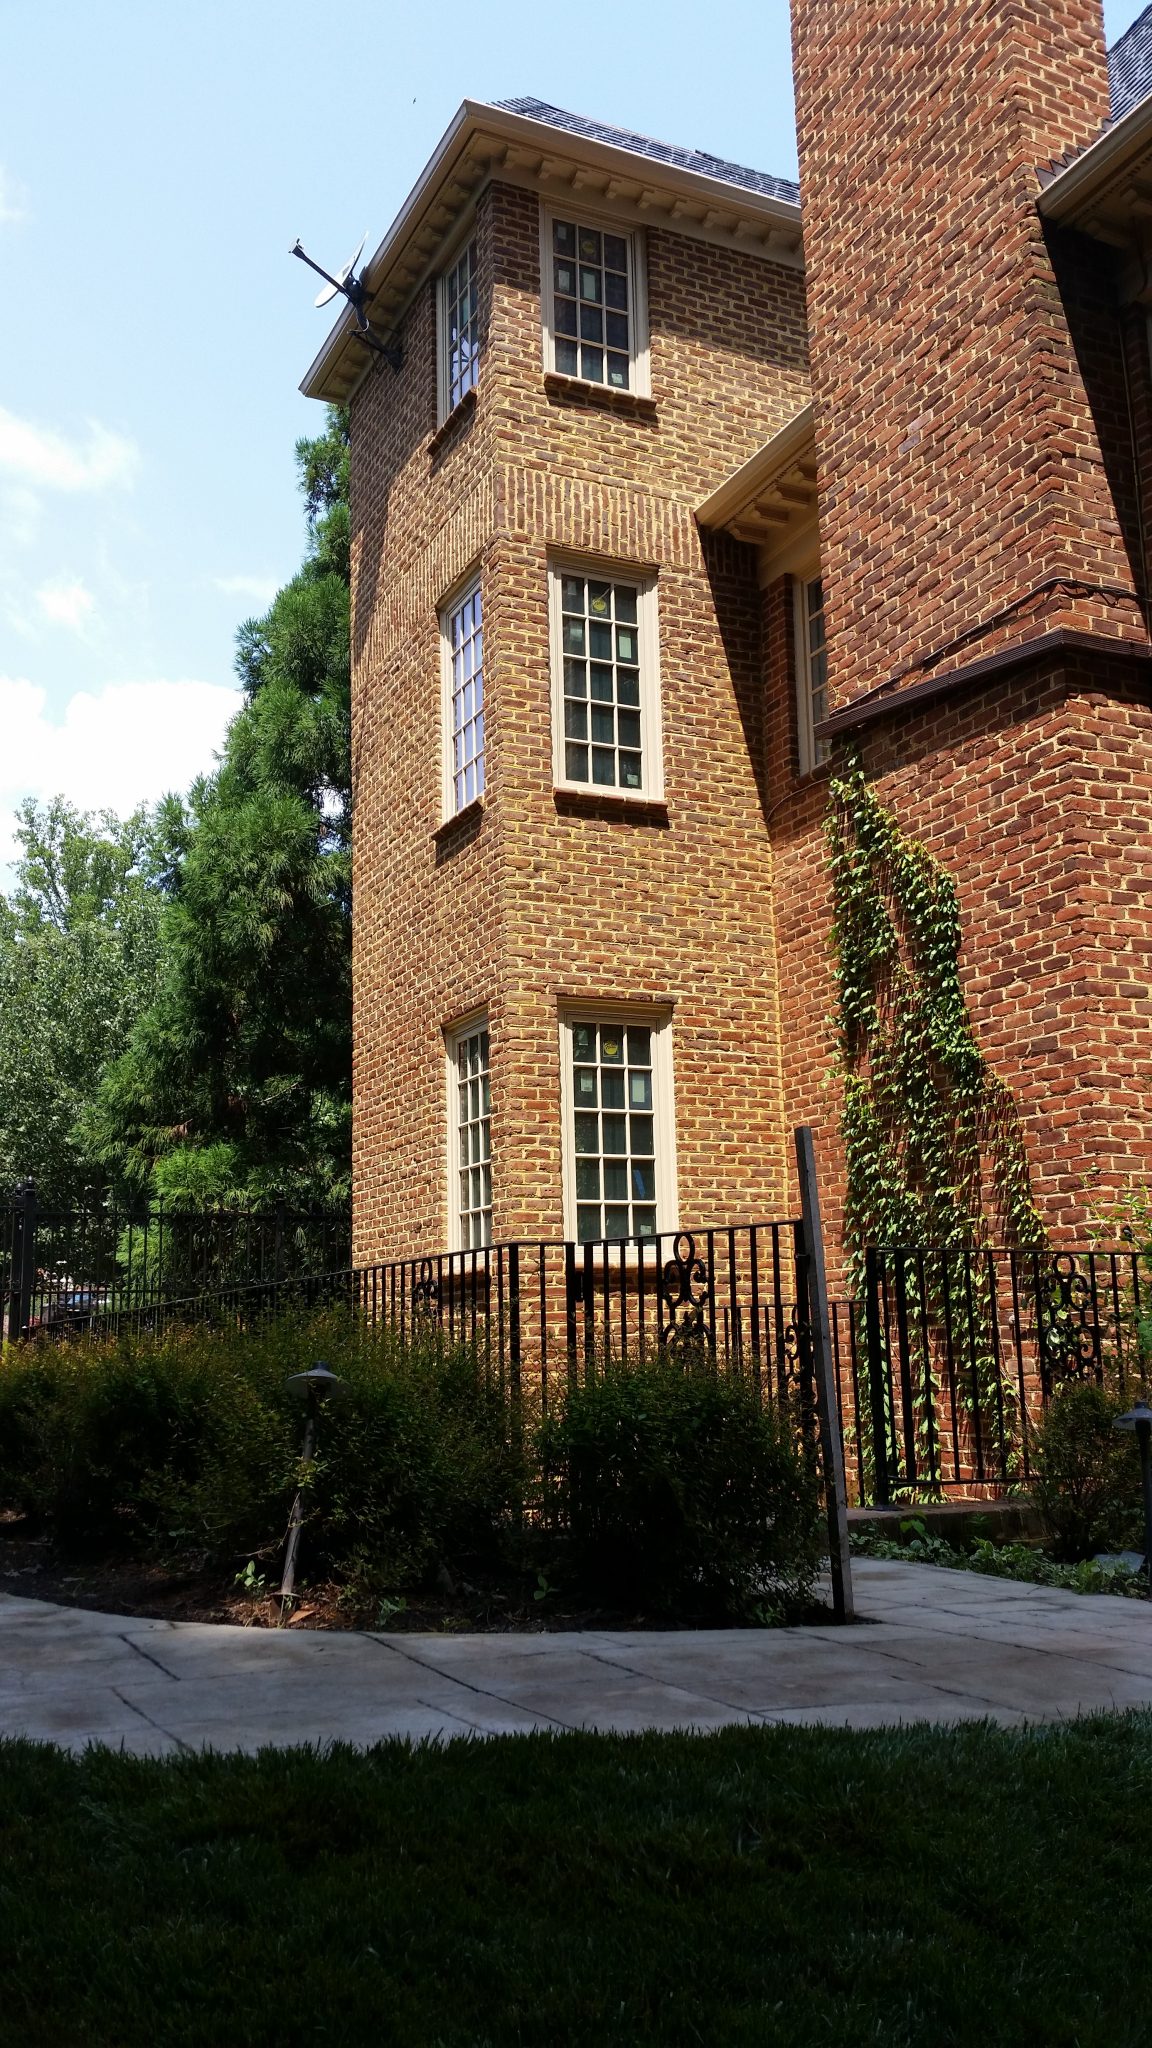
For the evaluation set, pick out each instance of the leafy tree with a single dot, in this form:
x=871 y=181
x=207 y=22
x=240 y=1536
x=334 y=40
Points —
x=80 y=953
x=237 y=1078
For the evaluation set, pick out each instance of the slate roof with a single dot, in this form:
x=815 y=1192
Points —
x=1129 y=74
x=660 y=152
x=1130 y=66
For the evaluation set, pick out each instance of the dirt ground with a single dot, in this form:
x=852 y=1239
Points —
x=30 y=1568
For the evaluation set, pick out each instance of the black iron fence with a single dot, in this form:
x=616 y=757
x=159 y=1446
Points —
x=954 y=1356
x=65 y=1270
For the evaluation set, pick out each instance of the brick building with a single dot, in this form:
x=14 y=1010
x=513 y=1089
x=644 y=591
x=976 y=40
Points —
x=673 y=494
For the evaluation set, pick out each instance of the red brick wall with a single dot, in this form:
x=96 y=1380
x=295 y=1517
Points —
x=959 y=460
x=536 y=905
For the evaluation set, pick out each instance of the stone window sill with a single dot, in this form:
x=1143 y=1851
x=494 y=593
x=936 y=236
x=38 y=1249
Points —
x=625 y=810
x=457 y=419
x=600 y=398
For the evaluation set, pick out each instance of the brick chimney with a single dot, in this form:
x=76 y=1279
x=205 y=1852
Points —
x=961 y=473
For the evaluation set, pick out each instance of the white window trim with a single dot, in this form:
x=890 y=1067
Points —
x=658 y=1020
x=456 y=597
x=648 y=643
x=476 y=1021
x=641 y=380
x=807 y=756
x=449 y=263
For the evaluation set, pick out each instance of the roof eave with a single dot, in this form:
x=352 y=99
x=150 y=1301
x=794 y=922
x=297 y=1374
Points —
x=1069 y=194
x=478 y=118
x=747 y=483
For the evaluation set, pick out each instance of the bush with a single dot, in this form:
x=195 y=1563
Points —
x=1087 y=1484
x=190 y=1442
x=668 y=1488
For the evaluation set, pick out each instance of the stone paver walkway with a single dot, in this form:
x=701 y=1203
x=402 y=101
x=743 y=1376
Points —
x=937 y=1646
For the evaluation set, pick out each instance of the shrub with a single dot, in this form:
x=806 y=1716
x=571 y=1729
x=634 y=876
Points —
x=1087 y=1484
x=190 y=1441
x=670 y=1488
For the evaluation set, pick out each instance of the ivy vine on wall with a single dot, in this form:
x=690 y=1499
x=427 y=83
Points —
x=934 y=1150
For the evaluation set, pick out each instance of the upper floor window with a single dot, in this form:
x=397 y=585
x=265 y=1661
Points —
x=462 y=643
x=594 y=313
x=460 y=343
x=811 y=672
x=606 y=702
x=470 y=1136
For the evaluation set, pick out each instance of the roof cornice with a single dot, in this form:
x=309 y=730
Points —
x=1080 y=195
x=484 y=141
x=773 y=491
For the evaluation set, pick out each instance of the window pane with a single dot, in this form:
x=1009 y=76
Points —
x=565 y=316
x=601 y=649
x=463 y=633
x=564 y=237
x=567 y=359
x=461 y=327
x=615 y=1165
x=592 y=365
x=473 y=1140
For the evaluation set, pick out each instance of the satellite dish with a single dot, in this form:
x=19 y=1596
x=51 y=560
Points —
x=337 y=285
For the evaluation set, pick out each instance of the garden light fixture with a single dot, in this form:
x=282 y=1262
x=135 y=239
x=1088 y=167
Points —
x=1139 y=1418
x=316 y=1385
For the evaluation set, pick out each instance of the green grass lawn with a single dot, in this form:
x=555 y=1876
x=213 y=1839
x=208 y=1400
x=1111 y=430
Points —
x=800 y=1886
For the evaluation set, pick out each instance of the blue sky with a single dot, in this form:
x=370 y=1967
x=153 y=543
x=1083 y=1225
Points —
x=156 y=162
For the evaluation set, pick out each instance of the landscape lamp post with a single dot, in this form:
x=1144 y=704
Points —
x=1139 y=1418
x=316 y=1384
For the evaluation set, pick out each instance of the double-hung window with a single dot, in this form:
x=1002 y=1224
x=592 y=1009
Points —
x=811 y=672
x=459 y=330
x=462 y=658
x=470 y=1136
x=606 y=696
x=619 y=1132
x=594 y=303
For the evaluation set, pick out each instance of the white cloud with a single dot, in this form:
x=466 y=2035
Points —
x=66 y=601
x=112 y=749
x=41 y=456
x=261 y=589
x=13 y=200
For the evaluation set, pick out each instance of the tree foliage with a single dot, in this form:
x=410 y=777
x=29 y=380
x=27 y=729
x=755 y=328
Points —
x=237 y=1077
x=80 y=960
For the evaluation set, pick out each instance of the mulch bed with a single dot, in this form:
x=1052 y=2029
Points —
x=33 y=1569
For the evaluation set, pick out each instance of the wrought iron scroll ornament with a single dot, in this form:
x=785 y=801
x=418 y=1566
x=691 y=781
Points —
x=425 y=1291
x=1068 y=1330
x=684 y=1295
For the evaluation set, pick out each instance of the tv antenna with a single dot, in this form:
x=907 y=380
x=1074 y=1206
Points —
x=353 y=288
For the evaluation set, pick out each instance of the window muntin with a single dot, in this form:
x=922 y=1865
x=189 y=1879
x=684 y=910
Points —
x=606 y=686
x=593 y=303
x=600 y=642
x=461 y=328
x=811 y=672
x=470 y=1108
x=612 y=1076
x=463 y=635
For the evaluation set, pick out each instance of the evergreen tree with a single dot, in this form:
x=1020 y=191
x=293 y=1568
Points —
x=237 y=1078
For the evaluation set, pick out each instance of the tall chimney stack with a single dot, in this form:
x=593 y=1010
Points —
x=964 y=501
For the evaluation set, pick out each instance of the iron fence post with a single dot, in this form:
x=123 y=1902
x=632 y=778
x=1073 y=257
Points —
x=874 y=1351
x=827 y=1398
x=22 y=1277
